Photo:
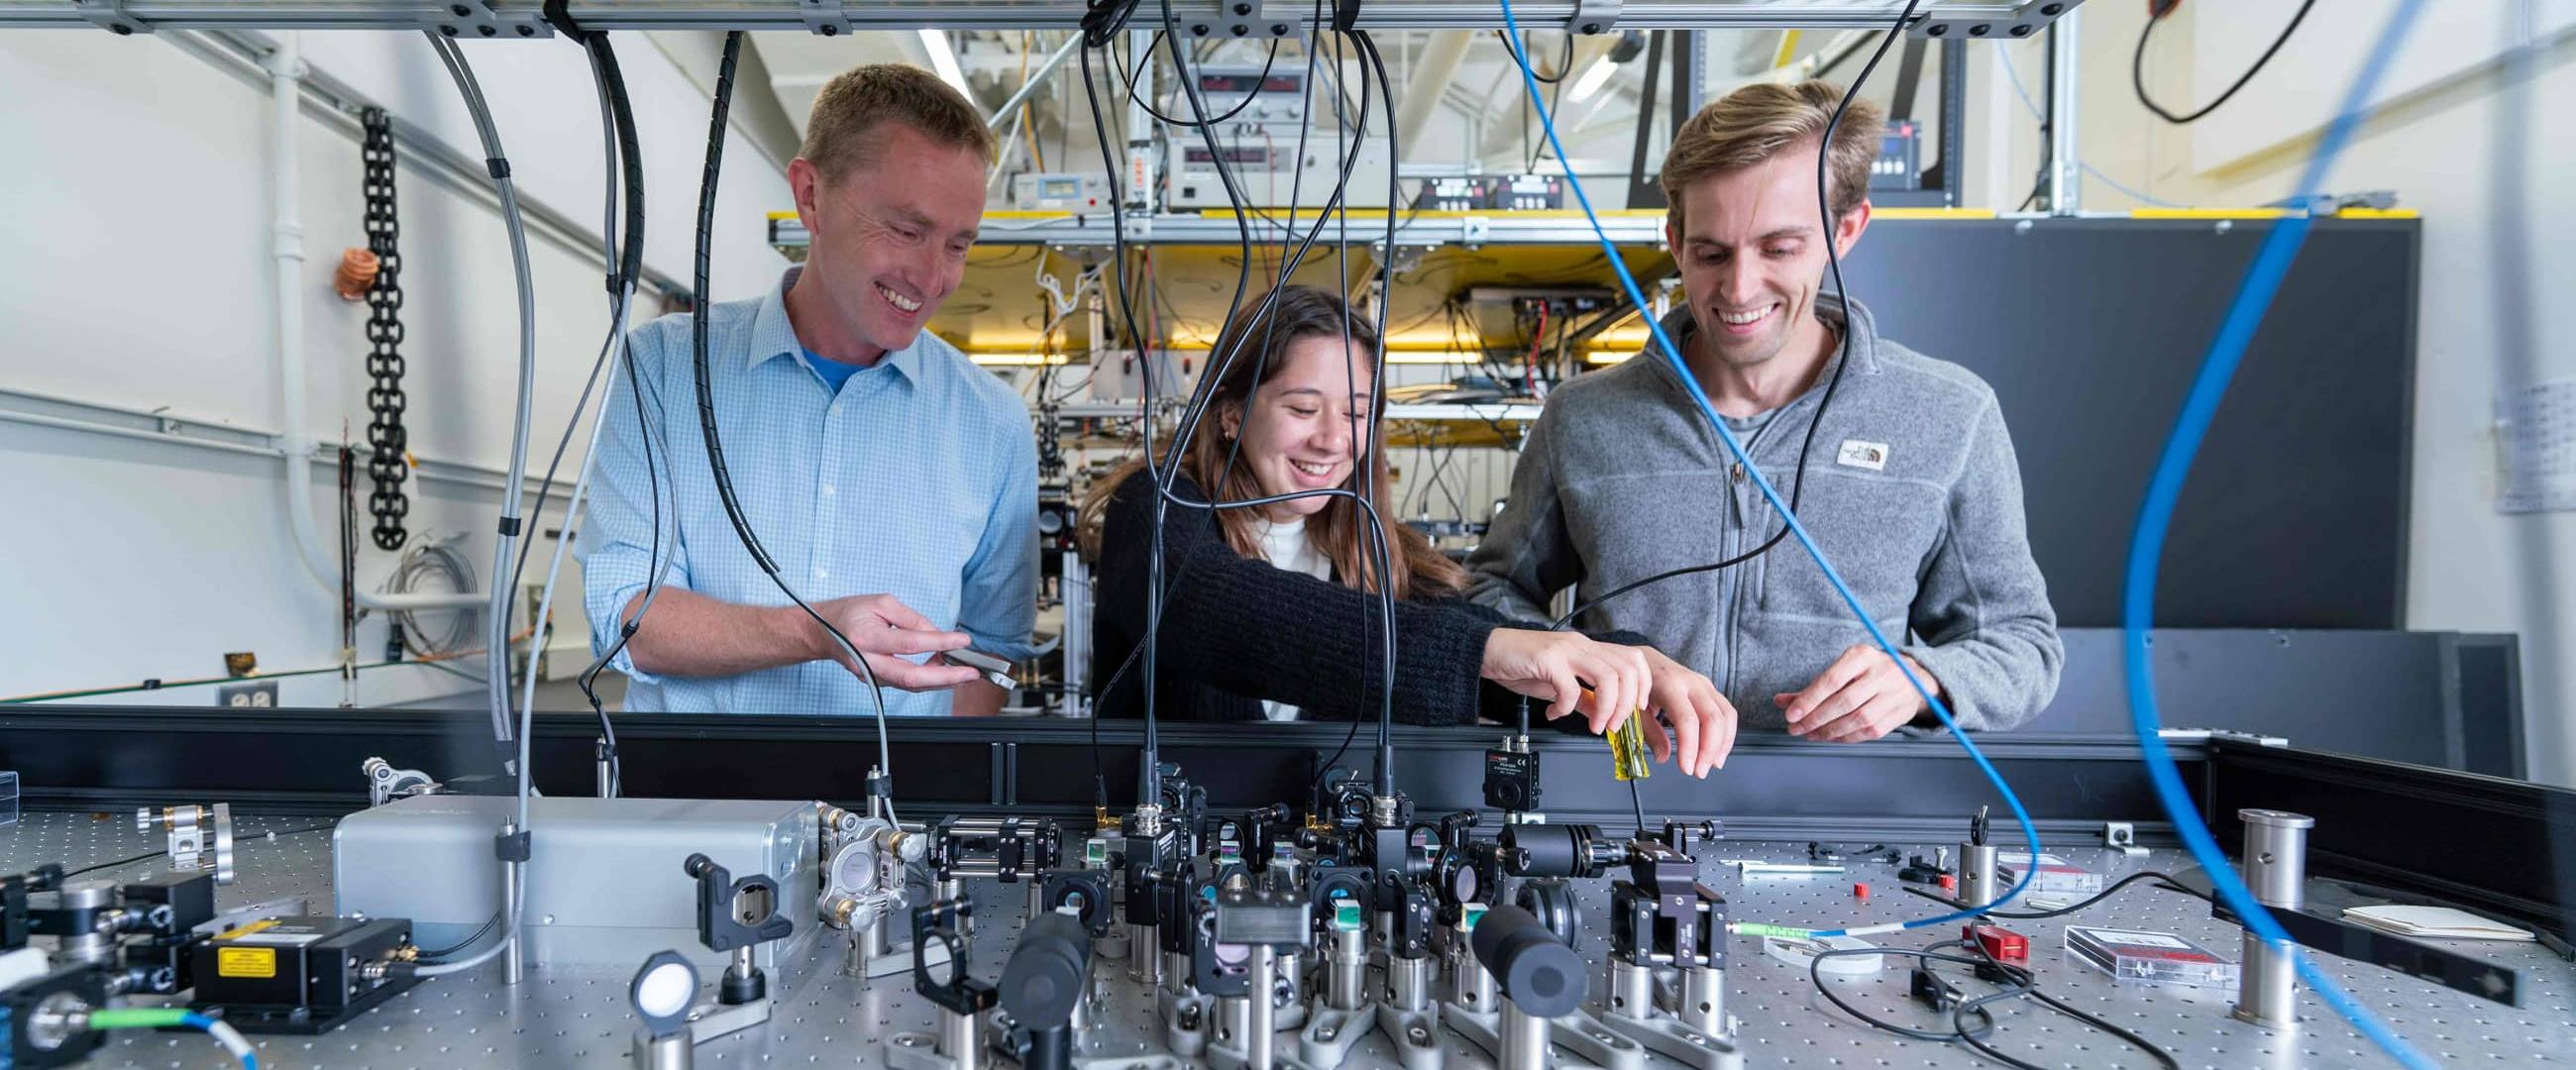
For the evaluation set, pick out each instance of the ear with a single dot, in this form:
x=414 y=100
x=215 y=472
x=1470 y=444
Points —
x=1229 y=418
x=1847 y=230
x=805 y=184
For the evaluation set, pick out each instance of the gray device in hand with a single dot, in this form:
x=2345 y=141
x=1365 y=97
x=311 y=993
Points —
x=996 y=670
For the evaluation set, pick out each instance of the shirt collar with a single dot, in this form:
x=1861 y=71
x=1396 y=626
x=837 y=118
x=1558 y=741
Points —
x=773 y=336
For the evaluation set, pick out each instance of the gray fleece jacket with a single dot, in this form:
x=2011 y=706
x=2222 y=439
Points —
x=1913 y=493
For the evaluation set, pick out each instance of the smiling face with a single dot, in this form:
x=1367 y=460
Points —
x=1302 y=428
x=1753 y=257
x=889 y=240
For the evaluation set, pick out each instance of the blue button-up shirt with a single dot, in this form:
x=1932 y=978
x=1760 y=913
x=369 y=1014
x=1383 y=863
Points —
x=916 y=478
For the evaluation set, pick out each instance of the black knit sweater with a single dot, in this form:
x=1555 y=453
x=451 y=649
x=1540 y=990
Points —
x=1238 y=630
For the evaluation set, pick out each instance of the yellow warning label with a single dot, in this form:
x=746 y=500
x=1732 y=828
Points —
x=246 y=930
x=260 y=962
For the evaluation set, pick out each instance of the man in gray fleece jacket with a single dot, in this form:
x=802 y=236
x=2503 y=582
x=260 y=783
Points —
x=1912 y=488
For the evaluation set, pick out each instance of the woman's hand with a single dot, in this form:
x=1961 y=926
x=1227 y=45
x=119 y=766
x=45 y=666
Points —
x=1558 y=667
x=1699 y=714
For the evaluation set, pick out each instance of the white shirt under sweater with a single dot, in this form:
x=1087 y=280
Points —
x=1287 y=546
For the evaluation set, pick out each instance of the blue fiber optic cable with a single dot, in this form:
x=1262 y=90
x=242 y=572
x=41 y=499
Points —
x=2155 y=517
x=1673 y=355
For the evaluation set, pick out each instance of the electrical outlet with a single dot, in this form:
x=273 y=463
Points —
x=258 y=696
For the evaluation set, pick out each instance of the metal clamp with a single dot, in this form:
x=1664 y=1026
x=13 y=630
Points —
x=1594 y=16
x=2025 y=21
x=1473 y=231
x=479 y=19
x=110 y=15
x=823 y=17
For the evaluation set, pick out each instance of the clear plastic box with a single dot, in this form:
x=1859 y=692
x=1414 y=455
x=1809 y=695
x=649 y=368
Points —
x=2054 y=875
x=2151 y=958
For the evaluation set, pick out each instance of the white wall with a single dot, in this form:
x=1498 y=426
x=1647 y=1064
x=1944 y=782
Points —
x=2486 y=156
x=135 y=271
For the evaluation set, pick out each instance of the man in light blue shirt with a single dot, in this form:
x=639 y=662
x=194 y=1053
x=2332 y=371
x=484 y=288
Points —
x=892 y=481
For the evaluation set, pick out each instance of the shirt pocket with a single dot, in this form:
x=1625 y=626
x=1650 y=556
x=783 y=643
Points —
x=1877 y=531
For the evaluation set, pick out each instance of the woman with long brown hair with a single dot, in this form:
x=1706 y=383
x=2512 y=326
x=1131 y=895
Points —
x=1272 y=611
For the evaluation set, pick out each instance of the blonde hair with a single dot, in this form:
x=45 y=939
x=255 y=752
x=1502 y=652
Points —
x=1753 y=125
x=843 y=133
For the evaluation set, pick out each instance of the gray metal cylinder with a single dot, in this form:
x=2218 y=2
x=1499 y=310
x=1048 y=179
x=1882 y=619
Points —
x=1177 y=972
x=1085 y=1016
x=1289 y=980
x=671 y=1052
x=954 y=888
x=2276 y=856
x=1144 y=956
x=1703 y=1000
x=1261 y=1016
x=2275 y=869
x=1346 y=971
x=1632 y=989
x=1524 y=1040
x=2267 y=986
x=1977 y=882
x=513 y=966
x=961 y=1037
x=1477 y=989
x=94 y=945
x=1408 y=982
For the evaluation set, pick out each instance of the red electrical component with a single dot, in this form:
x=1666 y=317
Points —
x=2000 y=944
x=1860 y=891
x=1949 y=883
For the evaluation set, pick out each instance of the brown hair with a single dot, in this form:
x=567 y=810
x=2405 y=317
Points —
x=1752 y=125
x=842 y=134
x=1339 y=529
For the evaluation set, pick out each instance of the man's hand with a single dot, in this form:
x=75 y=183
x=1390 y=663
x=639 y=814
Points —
x=884 y=630
x=1860 y=697
x=1699 y=714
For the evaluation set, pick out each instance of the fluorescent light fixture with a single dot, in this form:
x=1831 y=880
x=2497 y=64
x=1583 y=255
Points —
x=1594 y=77
x=1018 y=360
x=943 y=59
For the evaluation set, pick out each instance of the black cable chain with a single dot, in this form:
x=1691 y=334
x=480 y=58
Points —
x=384 y=336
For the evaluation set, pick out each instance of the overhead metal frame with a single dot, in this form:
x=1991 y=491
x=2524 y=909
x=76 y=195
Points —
x=1413 y=230
x=511 y=19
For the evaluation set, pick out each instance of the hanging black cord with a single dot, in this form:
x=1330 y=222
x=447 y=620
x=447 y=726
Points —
x=1159 y=37
x=624 y=272
x=2138 y=65
x=1563 y=66
x=716 y=130
x=1150 y=776
x=611 y=83
x=388 y=461
x=1197 y=410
